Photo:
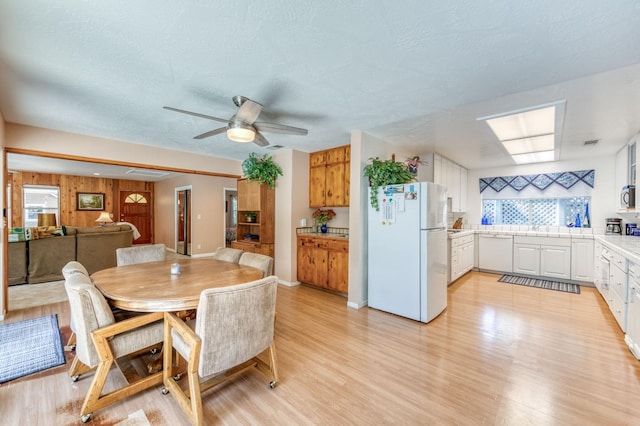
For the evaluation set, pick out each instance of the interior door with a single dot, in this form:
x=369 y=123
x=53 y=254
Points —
x=135 y=208
x=183 y=221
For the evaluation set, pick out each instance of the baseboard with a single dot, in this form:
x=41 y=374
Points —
x=360 y=305
x=194 y=256
x=288 y=283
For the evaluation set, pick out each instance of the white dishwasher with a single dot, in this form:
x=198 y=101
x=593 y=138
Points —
x=495 y=252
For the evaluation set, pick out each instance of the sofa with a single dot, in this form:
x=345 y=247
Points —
x=43 y=258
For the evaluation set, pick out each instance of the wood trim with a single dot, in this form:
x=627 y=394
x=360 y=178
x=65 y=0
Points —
x=114 y=163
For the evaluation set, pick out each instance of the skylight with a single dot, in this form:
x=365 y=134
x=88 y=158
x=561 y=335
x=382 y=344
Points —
x=531 y=135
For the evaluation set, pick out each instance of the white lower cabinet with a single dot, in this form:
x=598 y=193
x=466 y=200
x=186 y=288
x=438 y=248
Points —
x=632 y=338
x=582 y=261
x=461 y=252
x=617 y=289
x=548 y=257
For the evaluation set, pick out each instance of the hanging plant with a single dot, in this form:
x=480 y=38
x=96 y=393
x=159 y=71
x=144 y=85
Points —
x=261 y=169
x=383 y=173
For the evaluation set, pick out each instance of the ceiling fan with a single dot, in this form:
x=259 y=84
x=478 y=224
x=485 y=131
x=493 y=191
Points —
x=243 y=127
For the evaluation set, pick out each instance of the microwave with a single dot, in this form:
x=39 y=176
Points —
x=628 y=196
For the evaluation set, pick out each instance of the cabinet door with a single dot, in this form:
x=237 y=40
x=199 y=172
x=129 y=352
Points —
x=467 y=263
x=317 y=158
x=463 y=189
x=437 y=170
x=317 y=186
x=526 y=259
x=334 y=185
x=335 y=155
x=312 y=263
x=454 y=186
x=582 y=261
x=338 y=273
x=445 y=174
x=248 y=195
x=555 y=261
x=305 y=264
x=243 y=194
x=633 y=320
x=347 y=176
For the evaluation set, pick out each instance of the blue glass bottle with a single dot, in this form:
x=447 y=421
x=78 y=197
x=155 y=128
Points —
x=578 y=225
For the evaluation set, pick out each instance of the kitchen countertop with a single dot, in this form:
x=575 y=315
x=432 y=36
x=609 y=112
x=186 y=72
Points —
x=556 y=232
x=625 y=245
x=325 y=235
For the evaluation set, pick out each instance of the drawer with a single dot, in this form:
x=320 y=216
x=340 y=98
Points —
x=618 y=309
x=334 y=245
x=467 y=239
x=324 y=243
x=618 y=261
x=618 y=282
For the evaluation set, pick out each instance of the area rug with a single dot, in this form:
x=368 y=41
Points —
x=539 y=283
x=29 y=346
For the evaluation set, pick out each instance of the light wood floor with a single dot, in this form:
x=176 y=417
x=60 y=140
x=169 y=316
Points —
x=499 y=354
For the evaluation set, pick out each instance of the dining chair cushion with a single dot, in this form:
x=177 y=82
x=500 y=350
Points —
x=74 y=267
x=228 y=254
x=89 y=311
x=234 y=323
x=259 y=261
x=140 y=254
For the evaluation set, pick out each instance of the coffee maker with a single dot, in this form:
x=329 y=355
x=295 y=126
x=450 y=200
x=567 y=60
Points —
x=614 y=226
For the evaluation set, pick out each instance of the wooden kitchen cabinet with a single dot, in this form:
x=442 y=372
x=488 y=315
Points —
x=256 y=236
x=324 y=262
x=329 y=176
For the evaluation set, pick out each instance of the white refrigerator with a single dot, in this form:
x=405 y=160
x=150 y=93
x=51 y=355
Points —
x=407 y=251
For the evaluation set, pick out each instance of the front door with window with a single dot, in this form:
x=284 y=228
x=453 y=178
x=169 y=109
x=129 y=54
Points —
x=135 y=208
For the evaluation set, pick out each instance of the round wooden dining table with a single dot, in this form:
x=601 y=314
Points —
x=151 y=287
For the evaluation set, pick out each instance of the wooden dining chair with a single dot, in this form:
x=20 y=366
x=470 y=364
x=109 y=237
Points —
x=228 y=254
x=101 y=340
x=140 y=254
x=259 y=261
x=73 y=267
x=233 y=327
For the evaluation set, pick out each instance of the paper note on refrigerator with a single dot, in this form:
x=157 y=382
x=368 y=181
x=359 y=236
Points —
x=388 y=211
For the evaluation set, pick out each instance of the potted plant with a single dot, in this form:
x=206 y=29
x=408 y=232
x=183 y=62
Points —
x=383 y=173
x=261 y=169
x=323 y=216
x=251 y=217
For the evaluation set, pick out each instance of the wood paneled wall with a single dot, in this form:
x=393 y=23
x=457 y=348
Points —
x=69 y=186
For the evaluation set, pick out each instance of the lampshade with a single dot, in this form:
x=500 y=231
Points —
x=47 y=219
x=105 y=217
x=240 y=132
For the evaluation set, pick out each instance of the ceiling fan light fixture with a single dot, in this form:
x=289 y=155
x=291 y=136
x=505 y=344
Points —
x=240 y=132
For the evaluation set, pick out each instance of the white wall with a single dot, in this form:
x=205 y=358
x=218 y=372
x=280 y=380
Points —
x=44 y=140
x=603 y=199
x=363 y=147
x=207 y=211
x=3 y=228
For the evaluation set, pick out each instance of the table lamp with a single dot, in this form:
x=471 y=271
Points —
x=104 y=218
x=47 y=219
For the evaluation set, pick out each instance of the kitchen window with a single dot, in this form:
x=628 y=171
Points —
x=39 y=199
x=536 y=211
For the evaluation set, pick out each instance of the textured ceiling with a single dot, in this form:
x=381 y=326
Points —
x=414 y=73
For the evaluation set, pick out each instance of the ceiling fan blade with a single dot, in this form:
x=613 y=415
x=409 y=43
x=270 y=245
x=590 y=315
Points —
x=222 y=120
x=248 y=111
x=260 y=140
x=211 y=133
x=279 y=128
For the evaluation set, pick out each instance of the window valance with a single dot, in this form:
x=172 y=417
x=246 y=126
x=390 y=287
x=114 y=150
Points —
x=541 y=181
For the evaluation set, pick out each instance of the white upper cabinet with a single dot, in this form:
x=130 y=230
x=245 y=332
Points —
x=448 y=174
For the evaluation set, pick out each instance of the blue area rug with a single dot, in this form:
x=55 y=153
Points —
x=539 y=283
x=30 y=346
